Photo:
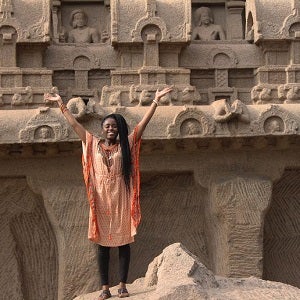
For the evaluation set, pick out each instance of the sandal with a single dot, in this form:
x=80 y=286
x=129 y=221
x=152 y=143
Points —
x=122 y=293
x=105 y=294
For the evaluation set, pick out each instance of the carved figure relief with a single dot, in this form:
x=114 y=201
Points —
x=275 y=120
x=281 y=92
x=43 y=133
x=292 y=95
x=115 y=99
x=133 y=97
x=191 y=122
x=274 y=125
x=6 y=9
x=81 y=32
x=17 y=99
x=255 y=91
x=145 y=97
x=43 y=126
x=224 y=111
x=264 y=96
x=188 y=96
x=77 y=107
x=29 y=94
x=205 y=29
x=190 y=127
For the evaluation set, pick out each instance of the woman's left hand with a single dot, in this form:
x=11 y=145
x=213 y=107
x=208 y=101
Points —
x=162 y=93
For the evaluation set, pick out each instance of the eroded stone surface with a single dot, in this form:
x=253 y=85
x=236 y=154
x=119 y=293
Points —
x=219 y=159
x=177 y=274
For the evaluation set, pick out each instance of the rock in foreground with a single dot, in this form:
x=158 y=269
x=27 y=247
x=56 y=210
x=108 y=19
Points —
x=177 y=274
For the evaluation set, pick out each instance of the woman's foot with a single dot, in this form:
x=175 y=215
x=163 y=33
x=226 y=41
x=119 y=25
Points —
x=122 y=292
x=105 y=294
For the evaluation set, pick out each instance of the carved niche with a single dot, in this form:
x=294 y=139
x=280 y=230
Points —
x=291 y=24
x=191 y=123
x=205 y=28
x=81 y=23
x=150 y=13
x=275 y=121
x=222 y=61
x=43 y=127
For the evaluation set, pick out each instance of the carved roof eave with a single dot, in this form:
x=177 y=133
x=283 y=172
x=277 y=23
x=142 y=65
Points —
x=270 y=24
x=19 y=127
x=152 y=146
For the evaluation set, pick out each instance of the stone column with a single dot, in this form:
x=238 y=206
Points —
x=295 y=49
x=151 y=50
x=67 y=209
x=235 y=213
x=55 y=8
x=235 y=29
x=8 y=39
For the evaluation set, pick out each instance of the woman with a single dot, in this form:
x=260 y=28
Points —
x=111 y=174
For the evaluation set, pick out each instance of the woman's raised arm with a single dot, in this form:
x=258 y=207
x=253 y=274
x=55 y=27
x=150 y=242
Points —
x=78 y=128
x=147 y=117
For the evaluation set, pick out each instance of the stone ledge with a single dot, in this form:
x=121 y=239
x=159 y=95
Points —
x=47 y=125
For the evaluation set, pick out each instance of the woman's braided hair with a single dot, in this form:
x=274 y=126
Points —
x=124 y=143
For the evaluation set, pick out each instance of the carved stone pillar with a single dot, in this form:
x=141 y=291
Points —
x=70 y=229
x=81 y=79
x=8 y=39
x=151 y=35
x=235 y=29
x=235 y=212
x=295 y=49
x=221 y=78
x=55 y=20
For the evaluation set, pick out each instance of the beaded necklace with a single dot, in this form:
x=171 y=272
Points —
x=107 y=153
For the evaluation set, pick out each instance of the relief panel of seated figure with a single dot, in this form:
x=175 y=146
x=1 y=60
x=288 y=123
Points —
x=205 y=28
x=81 y=32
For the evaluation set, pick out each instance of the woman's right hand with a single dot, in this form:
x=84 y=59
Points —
x=52 y=97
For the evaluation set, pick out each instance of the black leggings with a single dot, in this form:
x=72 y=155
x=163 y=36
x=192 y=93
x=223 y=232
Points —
x=103 y=263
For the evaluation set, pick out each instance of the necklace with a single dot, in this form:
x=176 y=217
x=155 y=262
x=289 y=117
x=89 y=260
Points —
x=107 y=153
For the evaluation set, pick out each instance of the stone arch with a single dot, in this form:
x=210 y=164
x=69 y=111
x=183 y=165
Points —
x=82 y=62
x=224 y=58
x=191 y=123
x=151 y=29
x=288 y=24
x=84 y=55
x=43 y=126
x=295 y=27
x=150 y=21
x=281 y=243
x=287 y=123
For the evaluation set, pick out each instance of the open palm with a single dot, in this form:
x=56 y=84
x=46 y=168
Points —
x=51 y=97
x=163 y=92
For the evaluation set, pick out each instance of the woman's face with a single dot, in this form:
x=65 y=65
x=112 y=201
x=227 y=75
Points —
x=110 y=129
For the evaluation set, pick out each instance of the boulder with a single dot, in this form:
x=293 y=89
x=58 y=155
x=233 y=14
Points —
x=177 y=274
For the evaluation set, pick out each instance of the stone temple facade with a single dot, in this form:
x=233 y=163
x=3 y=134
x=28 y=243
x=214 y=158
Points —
x=220 y=160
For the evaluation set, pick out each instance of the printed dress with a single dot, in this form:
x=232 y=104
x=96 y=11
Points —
x=114 y=210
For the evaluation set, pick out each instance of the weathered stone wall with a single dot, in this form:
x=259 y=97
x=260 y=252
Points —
x=220 y=158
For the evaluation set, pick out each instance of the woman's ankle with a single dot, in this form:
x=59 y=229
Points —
x=105 y=287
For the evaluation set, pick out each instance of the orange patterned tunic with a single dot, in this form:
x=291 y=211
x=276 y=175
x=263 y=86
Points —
x=114 y=210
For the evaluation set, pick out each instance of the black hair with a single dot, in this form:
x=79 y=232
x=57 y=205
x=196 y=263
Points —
x=124 y=143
